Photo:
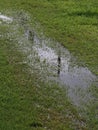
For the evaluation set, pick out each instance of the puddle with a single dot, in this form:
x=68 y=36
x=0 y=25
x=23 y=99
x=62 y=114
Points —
x=56 y=63
x=53 y=62
x=5 y=18
x=66 y=72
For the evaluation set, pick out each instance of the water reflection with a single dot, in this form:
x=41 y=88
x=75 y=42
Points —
x=5 y=18
x=59 y=64
x=31 y=35
x=54 y=62
x=59 y=60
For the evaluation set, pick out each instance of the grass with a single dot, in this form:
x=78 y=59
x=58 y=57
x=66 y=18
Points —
x=25 y=105
x=73 y=23
x=91 y=112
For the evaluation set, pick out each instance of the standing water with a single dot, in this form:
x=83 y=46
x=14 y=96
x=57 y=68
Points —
x=52 y=61
x=5 y=18
x=56 y=63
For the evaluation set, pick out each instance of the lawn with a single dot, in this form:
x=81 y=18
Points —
x=25 y=105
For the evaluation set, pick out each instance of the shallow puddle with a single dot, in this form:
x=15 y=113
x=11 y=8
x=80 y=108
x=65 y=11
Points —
x=56 y=63
x=52 y=61
x=60 y=62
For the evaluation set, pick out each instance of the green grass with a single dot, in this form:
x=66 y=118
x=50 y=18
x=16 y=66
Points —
x=24 y=105
x=91 y=112
x=71 y=22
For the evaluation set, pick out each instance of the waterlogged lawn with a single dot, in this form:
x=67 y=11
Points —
x=28 y=103
x=71 y=22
